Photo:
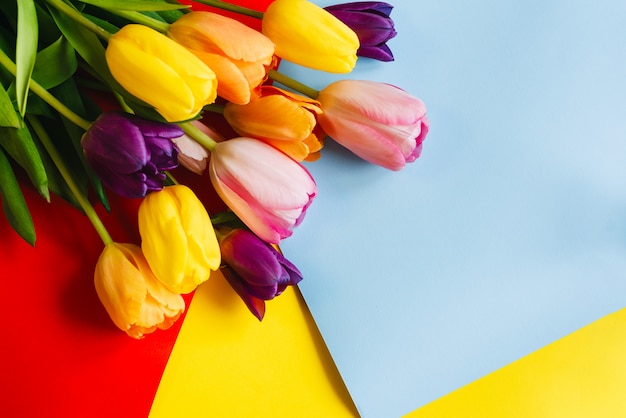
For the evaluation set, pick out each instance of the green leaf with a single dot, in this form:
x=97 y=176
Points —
x=8 y=117
x=135 y=5
x=55 y=64
x=69 y=94
x=48 y=31
x=86 y=44
x=171 y=16
x=25 y=49
x=57 y=183
x=13 y=203
x=19 y=144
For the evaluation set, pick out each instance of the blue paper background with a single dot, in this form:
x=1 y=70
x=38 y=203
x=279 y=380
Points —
x=508 y=233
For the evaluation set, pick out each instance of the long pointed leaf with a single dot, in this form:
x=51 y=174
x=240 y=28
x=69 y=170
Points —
x=136 y=5
x=57 y=183
x=88 y=46
x=19 y=144
x=25 y=49
x=69 y=94
x=13 y=203
x=55 y=64
x=8 y=117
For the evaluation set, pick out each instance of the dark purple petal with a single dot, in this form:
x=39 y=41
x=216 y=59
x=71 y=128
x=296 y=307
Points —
x=262 y=292
x=373 y=29
x=253 y=259
x=372 y=25
x=359 y=6
x=380 y=52
x=255 y=305
x=129 y=153
x=152 y=128
x=116 y=143
x=163 y=153
x=292 y=271
x=261 y=270
x=128 y=185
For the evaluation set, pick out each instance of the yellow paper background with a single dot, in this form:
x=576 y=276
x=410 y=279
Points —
x=582 y=375
x=226 y=363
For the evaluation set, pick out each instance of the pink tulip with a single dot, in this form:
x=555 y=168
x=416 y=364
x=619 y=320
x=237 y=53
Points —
x=265 y=188
x=380 y=123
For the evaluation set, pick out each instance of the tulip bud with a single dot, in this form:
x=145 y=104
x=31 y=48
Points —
x=178 y=239
x=239 y=55
x=134 y=299
x=162 y=73
x=308 y=35
x=265 y=188
x=280 y=118
x=255 y=269
x=192 y=155
x=129 y=154
x=380 y=123
x=372 y=24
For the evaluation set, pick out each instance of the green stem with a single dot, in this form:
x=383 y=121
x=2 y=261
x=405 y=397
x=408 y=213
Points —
x=69 y=179
x=293 y=84
x=78 y=17
x=232 y=8
x=224 y=217
x=122 y=102
x=141 y=19
x=199 y=136
x=171 y=178
x=36 y=88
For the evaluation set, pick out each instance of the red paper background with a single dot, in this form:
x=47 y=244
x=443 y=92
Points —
x=61 y=354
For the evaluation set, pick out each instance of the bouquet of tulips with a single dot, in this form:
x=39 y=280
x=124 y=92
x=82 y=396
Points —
x=162 y=68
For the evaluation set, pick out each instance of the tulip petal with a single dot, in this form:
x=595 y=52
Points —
x=115 y=261
x=372 y=6
x=255 y=305
x=214 y=33
x=178 y=239
x=233 y=85
x=379 y=52
x=280 y=186
x=290 y=24
x=159 y=71
x=260 y=220
x=274 y=117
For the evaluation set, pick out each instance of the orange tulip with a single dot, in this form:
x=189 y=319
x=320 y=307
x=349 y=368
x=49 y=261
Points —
x=239 y=55
x=132 y=296
x=282 y=119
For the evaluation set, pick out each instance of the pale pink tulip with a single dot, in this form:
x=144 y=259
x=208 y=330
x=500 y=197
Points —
x=380 y=123
x=265 y=188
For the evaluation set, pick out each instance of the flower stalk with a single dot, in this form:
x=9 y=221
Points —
x=232 y=8
x=293 y=84
x=78 y=17
x=69 y=179
x=36 y=88
x=141 y=19
x=199 y=136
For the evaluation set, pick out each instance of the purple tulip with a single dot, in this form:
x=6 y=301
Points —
x=255 y=269
x=372 y=24
x=129 y=154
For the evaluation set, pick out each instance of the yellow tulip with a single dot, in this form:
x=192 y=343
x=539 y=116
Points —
x=162 y=73
x=134 y=299
x=308 y=35
x=281 y=118
x=178 y=239
x=239 y=55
